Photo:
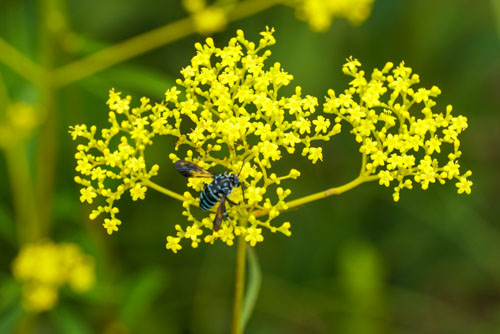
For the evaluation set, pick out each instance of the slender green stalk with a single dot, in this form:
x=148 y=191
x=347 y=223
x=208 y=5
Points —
x=47 y=142
x=324 y=194
x=239 y=284
x=20 y=177
x=145 y=42
x=122 y=51
x=22 y=192
x=331 y=191
x=19 y=63
x=163 y=190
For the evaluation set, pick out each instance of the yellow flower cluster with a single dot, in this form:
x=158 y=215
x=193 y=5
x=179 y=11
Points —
x=112 y=164
x=44 y=267
x=402 y=139
x=227 y=115
x=206 y=19
x=238 y=120
x=320 y=13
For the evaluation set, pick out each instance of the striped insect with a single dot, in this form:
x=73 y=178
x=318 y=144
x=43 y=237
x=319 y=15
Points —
x=219 y=189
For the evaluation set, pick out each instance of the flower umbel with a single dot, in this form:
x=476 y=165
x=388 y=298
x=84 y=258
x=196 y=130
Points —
x=402 y=139
x=239 y=121
x=44 y=267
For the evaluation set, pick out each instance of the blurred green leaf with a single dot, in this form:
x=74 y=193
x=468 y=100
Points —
x=253 y=287
x=7 y=226
x=66 y=206
x=141 y=292
x=9 y=291
x=71 y=321
x=10 y=318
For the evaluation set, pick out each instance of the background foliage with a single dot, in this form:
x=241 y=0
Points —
x=357 y=263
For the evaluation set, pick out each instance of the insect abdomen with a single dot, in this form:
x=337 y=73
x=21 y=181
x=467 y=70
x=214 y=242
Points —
x=220 y=186
x=209 y=196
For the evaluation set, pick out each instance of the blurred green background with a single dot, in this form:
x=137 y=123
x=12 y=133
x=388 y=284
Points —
x=357 y=263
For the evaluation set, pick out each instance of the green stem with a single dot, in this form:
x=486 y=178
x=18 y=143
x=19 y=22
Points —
x=122 y=51
x=239 y=283
x=331 y=191
x=324 y=194
x=20 y=64
x=47 y=143
x=22 y=192
x=163 y=190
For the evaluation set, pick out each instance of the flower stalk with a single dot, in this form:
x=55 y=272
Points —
x=324 y=194
x=163 y=190
x=239 y=283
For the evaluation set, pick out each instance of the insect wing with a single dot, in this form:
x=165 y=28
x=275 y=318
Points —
x=189 y=169
x=221 y=210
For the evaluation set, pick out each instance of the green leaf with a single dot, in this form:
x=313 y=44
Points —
x=253 y=287
x=143 y=290
x=67 y=320
x=10 y=318
x=9 y=291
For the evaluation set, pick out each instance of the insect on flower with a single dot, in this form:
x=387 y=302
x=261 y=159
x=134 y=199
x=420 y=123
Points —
x=219 y=189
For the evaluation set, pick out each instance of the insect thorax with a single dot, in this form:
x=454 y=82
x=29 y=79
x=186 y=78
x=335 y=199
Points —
x=223 y=184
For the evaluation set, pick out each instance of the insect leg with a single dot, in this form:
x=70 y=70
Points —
x=227 y=199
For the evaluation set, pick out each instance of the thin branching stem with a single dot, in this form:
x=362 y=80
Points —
x=19 y=63
x=163 y=190
x=323 y=194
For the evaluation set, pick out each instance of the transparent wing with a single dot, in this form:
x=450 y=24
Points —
x=221 y=210
x=189 y=169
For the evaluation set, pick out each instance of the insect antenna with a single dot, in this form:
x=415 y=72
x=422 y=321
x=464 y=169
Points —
x=241 y=183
